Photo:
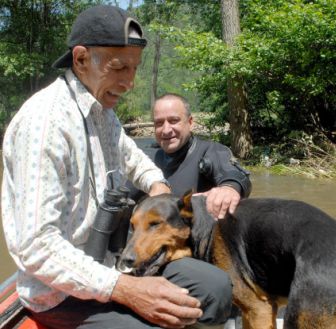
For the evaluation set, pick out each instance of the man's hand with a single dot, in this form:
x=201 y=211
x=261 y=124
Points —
x=158 y=188
x=220 y=200
x=157 y=300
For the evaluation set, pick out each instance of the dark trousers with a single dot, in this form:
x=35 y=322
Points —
x=206 y=282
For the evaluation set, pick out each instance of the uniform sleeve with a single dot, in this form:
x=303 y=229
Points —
x=219 y=165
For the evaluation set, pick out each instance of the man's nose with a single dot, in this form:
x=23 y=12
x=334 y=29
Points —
x=166 y=128
x=127 y=84
x=127 y=80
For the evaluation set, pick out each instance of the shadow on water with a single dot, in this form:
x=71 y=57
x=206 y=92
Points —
x=318 y=192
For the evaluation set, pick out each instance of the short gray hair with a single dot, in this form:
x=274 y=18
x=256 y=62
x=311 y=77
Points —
x=96 y=57
x=176 y=96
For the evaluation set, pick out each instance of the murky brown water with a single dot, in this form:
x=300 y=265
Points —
x=321 y=193
x=318 y=192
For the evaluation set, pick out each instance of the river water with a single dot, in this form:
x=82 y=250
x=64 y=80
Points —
x=318 y=192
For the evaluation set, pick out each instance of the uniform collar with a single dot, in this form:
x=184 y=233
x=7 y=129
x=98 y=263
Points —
x=182 y=152
x=173 y=160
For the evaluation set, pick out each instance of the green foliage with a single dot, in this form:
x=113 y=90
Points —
x=287 y=50
x=172 y=77
x=205 y=55
x=32 y=36
x=286 y=55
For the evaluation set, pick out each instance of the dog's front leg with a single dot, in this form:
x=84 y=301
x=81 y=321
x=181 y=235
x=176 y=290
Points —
x=258 y=309
x=259 y=315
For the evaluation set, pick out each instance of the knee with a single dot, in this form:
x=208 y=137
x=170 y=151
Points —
x=209 y=284
x=217 y=283
x=200 y=276
x=216 y=297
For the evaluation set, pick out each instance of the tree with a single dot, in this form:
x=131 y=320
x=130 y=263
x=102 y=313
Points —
x=156 y=12
x=32 y=36
x=155 y=71
x=241 y=140
x=285 y=55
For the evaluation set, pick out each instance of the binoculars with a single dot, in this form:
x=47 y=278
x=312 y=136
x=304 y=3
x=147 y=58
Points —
x=111 y=225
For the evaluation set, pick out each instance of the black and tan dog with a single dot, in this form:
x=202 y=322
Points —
x=276 y=252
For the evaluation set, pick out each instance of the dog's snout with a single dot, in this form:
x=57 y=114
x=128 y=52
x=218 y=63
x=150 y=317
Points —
x=126 y=262
x=129 y=260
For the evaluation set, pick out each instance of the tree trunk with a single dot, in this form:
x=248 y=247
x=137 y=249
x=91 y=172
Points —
x=155 y=71
x=241 y=138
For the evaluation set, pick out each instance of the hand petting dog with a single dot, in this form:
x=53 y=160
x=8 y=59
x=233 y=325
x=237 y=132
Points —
x=220 y=200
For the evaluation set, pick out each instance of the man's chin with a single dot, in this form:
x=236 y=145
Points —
x=169 y=147
x=170 y=150
x=110 y=102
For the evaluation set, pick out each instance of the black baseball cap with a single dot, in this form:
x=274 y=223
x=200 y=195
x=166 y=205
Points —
x=103 y=26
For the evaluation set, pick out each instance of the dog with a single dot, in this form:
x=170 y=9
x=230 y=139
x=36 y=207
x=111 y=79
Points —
x=277 y=252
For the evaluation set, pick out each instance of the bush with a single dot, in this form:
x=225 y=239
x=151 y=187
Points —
x=287 y=55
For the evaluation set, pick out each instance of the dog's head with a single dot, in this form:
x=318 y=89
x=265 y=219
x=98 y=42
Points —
x=163 y=230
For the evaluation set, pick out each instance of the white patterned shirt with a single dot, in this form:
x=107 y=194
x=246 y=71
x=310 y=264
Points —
x=48 y=203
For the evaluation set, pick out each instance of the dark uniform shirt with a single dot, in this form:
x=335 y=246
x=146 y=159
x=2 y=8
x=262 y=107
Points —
x=201 y=165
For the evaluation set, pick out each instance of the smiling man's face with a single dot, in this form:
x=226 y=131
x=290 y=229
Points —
x=172 y=124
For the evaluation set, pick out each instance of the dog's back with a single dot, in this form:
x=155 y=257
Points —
x=287 y=248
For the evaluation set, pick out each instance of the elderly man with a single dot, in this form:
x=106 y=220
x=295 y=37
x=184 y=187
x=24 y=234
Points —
x=57 y=153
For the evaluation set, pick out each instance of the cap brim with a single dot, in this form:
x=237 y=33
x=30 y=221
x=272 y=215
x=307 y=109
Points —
x=63 y=61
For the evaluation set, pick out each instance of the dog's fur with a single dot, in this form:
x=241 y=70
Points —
x=276 y=252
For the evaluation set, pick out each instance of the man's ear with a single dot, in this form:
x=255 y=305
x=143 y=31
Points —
x=81 y=57
x=191 y=122
x=184 y=205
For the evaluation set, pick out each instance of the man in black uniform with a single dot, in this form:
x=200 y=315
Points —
x=191 y=163
x=188 y=162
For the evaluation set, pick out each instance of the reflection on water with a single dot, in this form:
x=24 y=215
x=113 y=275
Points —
x=320 y=193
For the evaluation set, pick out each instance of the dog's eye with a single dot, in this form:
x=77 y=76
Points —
x=154 y=224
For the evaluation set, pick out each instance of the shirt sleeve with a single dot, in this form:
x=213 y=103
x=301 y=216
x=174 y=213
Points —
x=140 y=169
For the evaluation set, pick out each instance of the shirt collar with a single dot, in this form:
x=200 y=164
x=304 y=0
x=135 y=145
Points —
x=84 y=98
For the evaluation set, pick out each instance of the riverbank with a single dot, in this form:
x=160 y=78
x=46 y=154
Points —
x=145 y=127
x=298 y=157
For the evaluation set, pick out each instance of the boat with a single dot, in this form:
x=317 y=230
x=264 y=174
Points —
x=12 y=313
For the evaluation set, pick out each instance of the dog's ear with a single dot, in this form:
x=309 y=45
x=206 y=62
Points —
x=184 y=205
x=202 y=227
x=194 y=213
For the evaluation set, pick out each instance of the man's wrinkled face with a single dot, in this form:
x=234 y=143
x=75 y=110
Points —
x=108 y=72
x=172 y=124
